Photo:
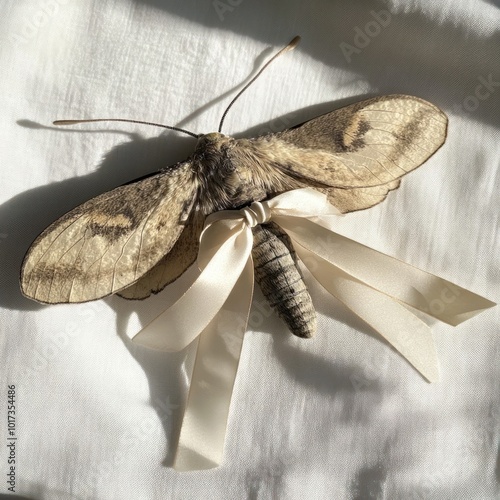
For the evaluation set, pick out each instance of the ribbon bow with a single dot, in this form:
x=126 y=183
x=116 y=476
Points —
x=376 y=287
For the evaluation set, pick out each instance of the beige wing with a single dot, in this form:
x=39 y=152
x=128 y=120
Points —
x=351 y=200
x=369 y=143
x=172 y=265
x=111 y=241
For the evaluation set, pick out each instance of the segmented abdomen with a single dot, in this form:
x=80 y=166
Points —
x=280 y=279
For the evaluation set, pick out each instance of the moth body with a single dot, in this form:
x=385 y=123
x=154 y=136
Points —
x=231 y=173
x=281 y=281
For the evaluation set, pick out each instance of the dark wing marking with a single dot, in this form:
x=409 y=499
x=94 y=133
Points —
x=172 y=265
x=109 y=242
x=369 y=143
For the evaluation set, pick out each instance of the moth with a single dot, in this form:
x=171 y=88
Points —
x=138 y=238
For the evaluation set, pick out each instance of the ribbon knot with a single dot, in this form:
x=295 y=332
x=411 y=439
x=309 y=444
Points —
x=257 y=213
x=375 y=287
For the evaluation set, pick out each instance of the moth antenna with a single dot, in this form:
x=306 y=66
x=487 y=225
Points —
x=74 y=122
x=293 y=43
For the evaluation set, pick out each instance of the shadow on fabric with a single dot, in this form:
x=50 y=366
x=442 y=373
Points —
x=406 y=46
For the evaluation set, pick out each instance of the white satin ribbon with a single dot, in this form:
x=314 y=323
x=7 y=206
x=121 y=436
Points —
x=376 y=287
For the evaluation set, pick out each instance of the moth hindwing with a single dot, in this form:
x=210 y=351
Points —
x=139 y=237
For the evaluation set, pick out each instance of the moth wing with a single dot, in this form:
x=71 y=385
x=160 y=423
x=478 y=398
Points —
x=369 y=143
x=172 y=265
x=351 y=200
x=109 y=242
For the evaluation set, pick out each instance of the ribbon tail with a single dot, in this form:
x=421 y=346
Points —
x=203 y=431
x=419 y=289
x=401 y=328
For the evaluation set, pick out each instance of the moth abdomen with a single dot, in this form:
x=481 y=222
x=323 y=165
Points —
x=281 y=281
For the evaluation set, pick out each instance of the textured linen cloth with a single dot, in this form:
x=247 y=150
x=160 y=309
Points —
x=342 y=416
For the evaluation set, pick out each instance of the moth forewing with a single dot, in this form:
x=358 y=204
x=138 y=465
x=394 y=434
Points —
x=369 y=143
x=173 y=264
x=109 y=242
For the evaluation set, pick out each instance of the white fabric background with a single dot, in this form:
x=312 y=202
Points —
x=340 y=416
